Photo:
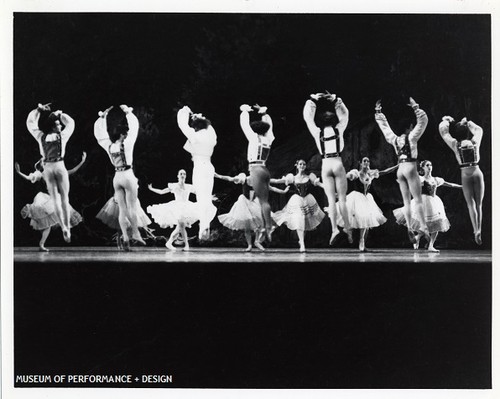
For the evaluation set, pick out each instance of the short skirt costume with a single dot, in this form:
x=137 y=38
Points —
x=301 y=212
x=362 y=209
x=434 y=213
x=42 y=210
x=110 y=211
x=180 y=210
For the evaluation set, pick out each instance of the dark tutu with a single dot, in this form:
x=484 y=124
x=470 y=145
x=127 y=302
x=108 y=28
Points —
x=300 y=213
x=174 y=212
x=434 y=213
x=42 y=213
x=363 y=211
x=110 y=211
x=244 y=215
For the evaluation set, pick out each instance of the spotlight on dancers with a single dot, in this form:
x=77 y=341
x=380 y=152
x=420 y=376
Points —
x=201 y=141
x=52 y=130
x=464 y=139
x=118 y=142
x=406 y=149
x=326 y=117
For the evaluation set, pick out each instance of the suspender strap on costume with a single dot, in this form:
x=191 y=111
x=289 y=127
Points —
x=122 y=168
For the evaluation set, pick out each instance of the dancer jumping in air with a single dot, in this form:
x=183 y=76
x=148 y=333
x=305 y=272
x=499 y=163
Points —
x=119 y=145
x=42 y=210
x=364 y=213
x=260 y=136
x=327 y=117
x=301 y=213
x=180 y=212
x=405 y=146
x=246 y=213
x=201 y=140
x=464 y=139
x=435 y=215
x=52 y=130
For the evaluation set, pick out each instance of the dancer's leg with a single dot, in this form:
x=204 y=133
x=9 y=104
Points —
x=45 y=235
x=329 y=185
x=341 y=187
x=362 y=238
x=248 y=238
x=130 y=184
x=183 y=233
x=302 y=246
x=416 y=192
x=260 y=182
x=405 y=193
x=431 y=242
x=122 y=216
x=478 y=199
x=468 y=190
x=172 y=237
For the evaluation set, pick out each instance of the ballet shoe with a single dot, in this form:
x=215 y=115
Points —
x=204 y=234
x=362 y=247
x=186 y=248
x=138 y=240
x=425 y=234
x=269 y=235
x=349 y=235
x=41 y=248
x=126 y=246
x=334 y=236
x=478 y=239
x=248 y=249
x=302 y=249
x=169 y=245
x=411 y=236
x=432 y=249
x=67 y=235
x=259 y=246
x=416 y=244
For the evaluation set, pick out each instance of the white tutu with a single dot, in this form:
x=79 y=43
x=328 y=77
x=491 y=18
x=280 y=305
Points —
x=42 y=213
x=435 y=216
x=174 y=212
x=300 y=213
x=110 y=211
x=244 y=215
x=363 y=211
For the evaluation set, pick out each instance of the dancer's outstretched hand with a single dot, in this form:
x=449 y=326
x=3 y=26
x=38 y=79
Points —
x=413 y=104
x=330 y=97
x=84 y=156
x=317 y=96
x=378 y=106
x=245 y=107
x=260 y=109
x=104 y=114
x=44 y=107
x=126 y=108
x=448 y=119
x=17 y=167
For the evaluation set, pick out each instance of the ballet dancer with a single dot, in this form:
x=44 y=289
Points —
x=260 y=137
x=364 y=213
x=42 y=211
x=119 y=145
x=405 y=146
x=201 y=140
x=246 y=213
x=301 y=213
x=327 y=126
x=465 y=145
x=52 y=136
x=180 y=212
x=435 y=215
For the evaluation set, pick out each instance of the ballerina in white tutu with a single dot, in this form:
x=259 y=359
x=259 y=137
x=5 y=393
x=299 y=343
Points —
x=434 y=213
x=363 y=211
x=246 y=213
x=42 y=211
x=180 y=212
x=301 y=213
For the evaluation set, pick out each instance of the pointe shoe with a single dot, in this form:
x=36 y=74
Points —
x=269 y=234
x=432 y=249
x=334 y=236
x=478 y=239
x=186 y=248
x=41 y=248
x=204 y=234
x=138 y=240
x=259 y=246
x=417 y=243
x=169 y=245
x=126 y=246
x=362 y=247
x=248 y=249
x=67 y=235
x=349 y=235
x=302 y=249
x=411 y=236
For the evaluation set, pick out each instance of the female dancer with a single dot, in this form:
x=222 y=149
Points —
x=328 y=129
x=52 y=138
x=407 y=175
x=260 y=136
x=201 y=140
x=466 y=150
x=42 y=210
x=246 y=213
x=119 y=145
x=363 y=211
x=180 y=213
x=302 y=212
x=435 y=215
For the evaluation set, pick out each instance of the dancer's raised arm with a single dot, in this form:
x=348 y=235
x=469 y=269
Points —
x=309 y=113
x=33 y=118
x=101 y=129
x=165 y=190
x=75 y=169
x=133 y=124
x=382 y=123
x=183 y=116
x=422 y=121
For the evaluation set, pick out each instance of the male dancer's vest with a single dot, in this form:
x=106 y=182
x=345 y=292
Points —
x=118 y=159
x=263 y=151
x=468 y=155
x=404 y=152
x=323 y=139
x=52 y=149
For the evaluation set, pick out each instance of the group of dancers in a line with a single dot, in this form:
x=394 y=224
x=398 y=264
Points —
x=326 y=117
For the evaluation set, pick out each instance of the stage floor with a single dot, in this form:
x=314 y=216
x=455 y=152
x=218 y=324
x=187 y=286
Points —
x=237 y=255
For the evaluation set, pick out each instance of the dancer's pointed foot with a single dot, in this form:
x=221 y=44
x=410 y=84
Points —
x=411 y=237
x=416 y=244
x=138 y=240
x=334 y=236
x=41 y=248
x=66 y=235
x=248 y=249
x=259 y=246
x=170 y=246
x=204 y=234
x=425 y=234
x=432 y=249
x=126 y=245
x=362 y=247
x=302 y=248
x=477 y=238
x=269 y=234
x=349 y=235
x=186 y=248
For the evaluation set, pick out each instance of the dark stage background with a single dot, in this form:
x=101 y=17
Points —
x=83 y=63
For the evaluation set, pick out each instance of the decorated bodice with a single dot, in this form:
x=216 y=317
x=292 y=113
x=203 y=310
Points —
x=118 y=158
x=430 y=185
x=181 y=193
x=403 y=148
x=52 y=147
x=302 y=189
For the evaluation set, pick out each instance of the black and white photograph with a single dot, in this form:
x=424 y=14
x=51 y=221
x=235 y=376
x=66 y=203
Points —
x=204 y=200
